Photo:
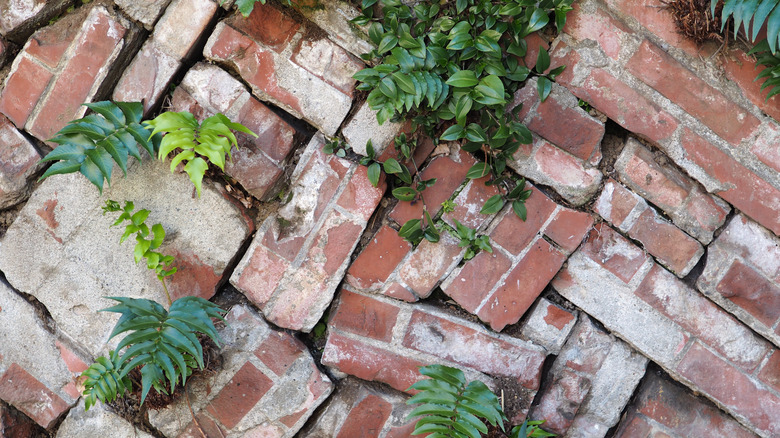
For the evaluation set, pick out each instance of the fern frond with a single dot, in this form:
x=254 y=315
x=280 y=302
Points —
x=212 y=140
x=771 y=72
x=103 y=382
x=751 y=15
x=89 y=144
x=164 y=343
x=452 y=407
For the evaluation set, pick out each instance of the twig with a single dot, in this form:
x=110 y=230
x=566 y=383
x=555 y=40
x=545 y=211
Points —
x=194 y=419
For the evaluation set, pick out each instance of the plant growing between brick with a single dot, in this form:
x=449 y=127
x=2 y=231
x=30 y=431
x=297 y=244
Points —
x=451 y=407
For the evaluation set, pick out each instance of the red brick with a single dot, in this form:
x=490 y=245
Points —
x=670 y=78
x=378 y=259
x=670 y=245
x=469 y=202
x=702 y=318
x=770 y=373
x=261 y=275
x=397 y=291
x=742 y=69
x=568 y=228
x=625 y=105
x=72 y=361
x=204 y=425
x=558 y=317
x=658 y=19
x=404 y=431
x=268 y=26
x=147 y=78
x=370 y=363
x=732 y=389
x=365 y=316
x=534 y=41
x=329 y=62
x=299 y=303
x=333 y=244
x=563 y=168
x=275 y=137
x=523 y=285
x=48 y=45
x=449 y=175
x=614 y=252
x=765 y=147
x=663 y=186
x=428 y=264
x=99 y=40
x=240 y=395
x=26 y=393
x=747 y=191
x=279 y=350
x=636 y=428
x=681 y=413
x=360 y=197
x=477 y=278
x=616 y=202
x=751 y=291
x=559 y=405
x=473 y=349
x=569 y=128
x=597 y=26
x=22 y=90
x=514 y=234
x=366 y=419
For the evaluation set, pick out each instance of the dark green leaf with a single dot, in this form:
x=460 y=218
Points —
x=520 y=210
x=542 y=60
x=478 y=170
x=463 y=79
x=374 y=173
x=492 y=205
x=405 y=193
x=543 y=87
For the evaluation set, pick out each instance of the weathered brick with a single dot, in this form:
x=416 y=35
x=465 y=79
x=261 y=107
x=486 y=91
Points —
x=450 y=173
x=742 y=275
x=770 y=372
x=18 y=163
x=329 y=62
x=429 y=264
x=522 y=286
x=670 y=78
x=546 y=164
x=335 y=18
x=614 y=252
x=549 y=325
x=23 y=87
x=466 y=346
x=568 y=228
x=98 y=43
x=764 y=146
x=476 y=279
x=688 y=205
x=742 y=69
x=360 y=197
x=616 y=203
x=364 y=316
x=514 y=234
x=29 y=395
x=145 y=11
x=48 y=45
x=263 y=271
x=366 y=418
x=182 y=25
x=623 y=104
x=469 y=202
x=272 y=75
x=370 y=363
x=662 y=406
x=732 y=389
x=279 y=351
x=743 y=189
x=363 y=126
x=702 y=318
x=589 y=22
x=147 y=77
x=18 y=18
x=378 y=259
x=559 y=405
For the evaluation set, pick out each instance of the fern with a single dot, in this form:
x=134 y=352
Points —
x=89 y=144
x=771 y=73
x=753 y=14
x=103 y=382
x=451 y=407
x=212 y=139
x=143 y=248
x=164 y=343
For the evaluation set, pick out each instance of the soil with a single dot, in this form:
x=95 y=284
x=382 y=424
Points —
x=7 y=218
x=695 y=21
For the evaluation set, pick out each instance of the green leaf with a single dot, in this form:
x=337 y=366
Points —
x=392 y=166
x=388 y=42
x=542 y=60
x=374 y=173
x=539 y=19
x=453 y=133
x=463 y=79
x=405 y=193
x=245 y=7
x=543 y=87
x=478 y=170
x=490 y=90
x=492 y=205
x=520 y=210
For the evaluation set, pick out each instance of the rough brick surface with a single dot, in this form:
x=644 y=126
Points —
x=258 y=164
x=630 y=213
x=145 y=11
x=18 y=18
x=421 y=335
x=75 y=240
x=549 y=325
x=18 y=164
x=363 y=127
x=98 y=421
x=251 y=395
x=334 y=17
x=663 y=408
x=260 y=49
x=309 y=241
x=653 y=311
x=685 y=201
x=742 y=275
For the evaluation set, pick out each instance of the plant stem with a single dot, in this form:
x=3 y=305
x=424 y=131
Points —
x=167 y=295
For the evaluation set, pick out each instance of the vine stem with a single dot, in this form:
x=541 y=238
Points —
x=167 y=295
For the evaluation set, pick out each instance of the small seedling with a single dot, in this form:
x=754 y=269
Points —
x=469 y=240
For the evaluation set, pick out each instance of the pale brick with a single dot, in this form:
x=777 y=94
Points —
x=147 y=78
x=18 y=164
x=182 y=25
x=364 y=127
x=549 y=325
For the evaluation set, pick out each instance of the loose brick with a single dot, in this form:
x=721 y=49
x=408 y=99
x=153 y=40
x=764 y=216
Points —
x=670 y=245
x=560 y=404
x=279 y=351
x=548 y=325
x=670 y=78
x=614 y=252
x=370 y=363
x=263 y=271
x=702 y=318
x=360 y=197
x=688 y=205
x=378 y=259
x=593 y=23
x=522 y=286
x=48 y=45
x=23 y=87
x=429 y=264
x=329 y=62
x=764 y=146
x=742 y=69
x=144 y=11
x=147 y=78
x=365 y=316
x=514 y=234
x=665 y=407
x=18 y=163
x=732 y=389
x=469 y=202
x=568 y=228
x=182 y=25
x=616 y=203
x=366 y=419
x=746 y=190
x=19 y=18
x=268 y=25
x=770 y=372
x=751 y=291
x=20 y=389
x=476 y=279
x=464 y=345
